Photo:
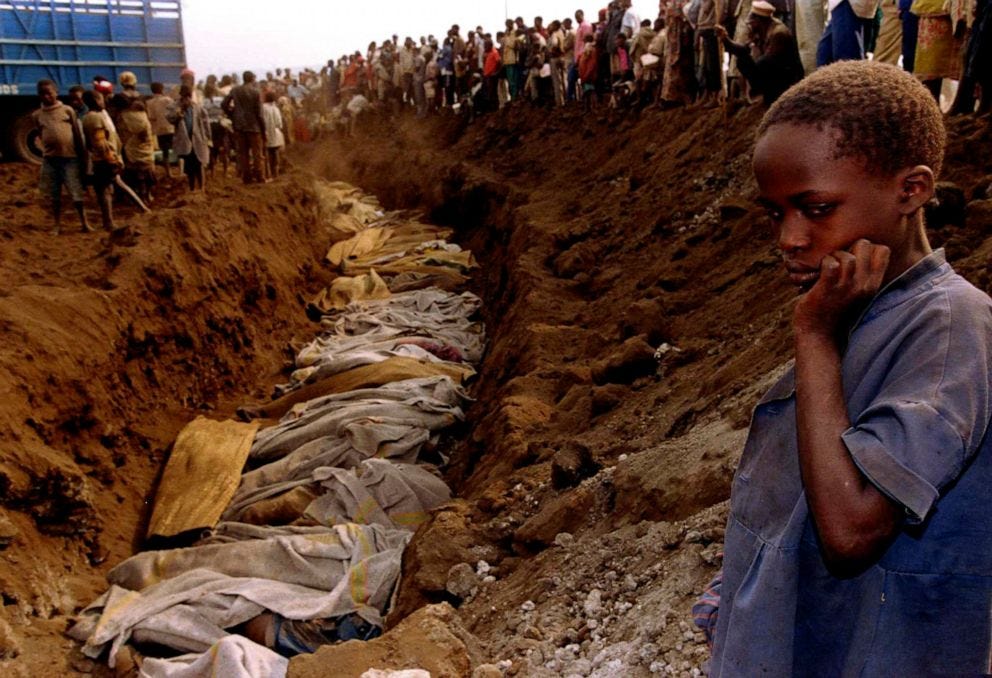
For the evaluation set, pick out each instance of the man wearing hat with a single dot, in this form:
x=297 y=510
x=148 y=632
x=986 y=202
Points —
x=129 y=85
x=103 y=86
x=188 y=78
x=770 y=61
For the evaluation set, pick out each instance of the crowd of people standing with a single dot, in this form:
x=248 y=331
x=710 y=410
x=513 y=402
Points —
x=107 y=136
x=678 y=58
x=110 y=136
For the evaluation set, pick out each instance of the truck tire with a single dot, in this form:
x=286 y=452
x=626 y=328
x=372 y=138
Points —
x=24 y=140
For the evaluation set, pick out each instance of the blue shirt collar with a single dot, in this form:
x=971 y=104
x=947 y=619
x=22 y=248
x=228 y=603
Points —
x=919 y=277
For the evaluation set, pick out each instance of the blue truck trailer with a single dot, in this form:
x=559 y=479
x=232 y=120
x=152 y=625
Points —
x=70 y=42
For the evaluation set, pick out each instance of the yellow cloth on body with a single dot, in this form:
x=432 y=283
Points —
x=345 y=290
x=201 y=475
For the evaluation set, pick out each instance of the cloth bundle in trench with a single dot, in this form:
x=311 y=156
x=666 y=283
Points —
x=430 y=324
x=377 y=491
x=187 y=598
x=344 y=210
x=345 y=290
x=315 y=528
x=398 y=247
x=202 y=474
x=342 y=431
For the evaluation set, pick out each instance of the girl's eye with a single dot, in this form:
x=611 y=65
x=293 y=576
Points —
x=774 y=214
x=817 y=210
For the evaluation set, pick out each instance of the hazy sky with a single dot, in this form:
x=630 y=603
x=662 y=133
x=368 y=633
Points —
x=231 y=35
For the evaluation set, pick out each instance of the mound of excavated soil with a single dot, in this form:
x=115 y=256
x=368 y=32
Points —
x=636 y=310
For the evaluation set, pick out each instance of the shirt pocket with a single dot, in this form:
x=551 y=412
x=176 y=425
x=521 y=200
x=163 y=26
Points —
x=771 y=439
x=768 y=485
x=932 y=625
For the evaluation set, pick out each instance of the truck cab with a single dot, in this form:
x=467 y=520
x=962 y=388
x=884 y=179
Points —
x=70 y=42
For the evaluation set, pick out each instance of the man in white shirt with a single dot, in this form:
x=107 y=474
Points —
x=406 y=57
x=630 y=23
x=480 y=46
x=356 y=107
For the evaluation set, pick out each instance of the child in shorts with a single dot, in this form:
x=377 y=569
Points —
x=159 y=108
x=61 y=163
x=859 y=540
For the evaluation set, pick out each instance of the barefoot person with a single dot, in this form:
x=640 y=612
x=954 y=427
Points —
x=105 y=163
x=159 y=108
x=859 y=540
x=63 y=147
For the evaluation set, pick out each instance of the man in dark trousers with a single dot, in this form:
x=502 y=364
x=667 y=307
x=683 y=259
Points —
x=244 y=106
x=770 y=61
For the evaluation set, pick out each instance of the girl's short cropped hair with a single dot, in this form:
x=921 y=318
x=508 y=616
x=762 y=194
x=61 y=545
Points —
x=881 y=113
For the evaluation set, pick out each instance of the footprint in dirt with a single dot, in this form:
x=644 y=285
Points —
x=124 y=236
x=99 y=283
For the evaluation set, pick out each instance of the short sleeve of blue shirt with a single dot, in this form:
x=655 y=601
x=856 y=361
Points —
x=931 y=405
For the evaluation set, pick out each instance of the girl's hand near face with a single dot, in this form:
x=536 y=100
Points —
x=847 y=281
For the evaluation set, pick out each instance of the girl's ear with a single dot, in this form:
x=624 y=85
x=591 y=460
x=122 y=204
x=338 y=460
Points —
x=916 y=188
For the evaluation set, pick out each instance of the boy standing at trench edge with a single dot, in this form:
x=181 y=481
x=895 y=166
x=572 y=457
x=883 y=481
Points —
x=63 y=153
x=859 y=541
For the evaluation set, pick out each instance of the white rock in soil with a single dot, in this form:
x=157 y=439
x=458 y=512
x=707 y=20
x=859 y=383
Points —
x=614 y=667
x=462 y=580
x=564 y=539
x=482 y=568
x=535 y=657
x=648 y=652
x=693 y=536
x=487 y=671
x=593 y=604
x=581 y=667
x=528 y=606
